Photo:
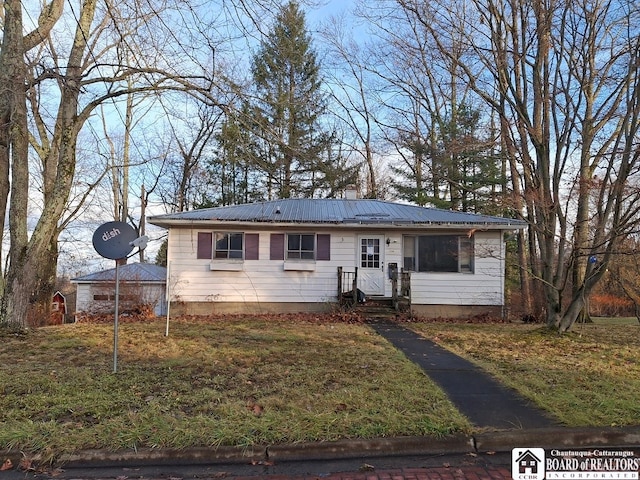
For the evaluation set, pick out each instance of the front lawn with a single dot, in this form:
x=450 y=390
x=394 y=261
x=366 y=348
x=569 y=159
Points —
x=256 y=381
x=587 y=377
x=227 y=381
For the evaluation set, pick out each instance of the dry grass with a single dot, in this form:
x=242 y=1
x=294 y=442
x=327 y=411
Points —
x=213 y=382
x=256 y=381
x=590 y=376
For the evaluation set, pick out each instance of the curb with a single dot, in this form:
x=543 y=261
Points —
x=557 y=437
x=340 y=449
x=378 y=447
x=494 y=441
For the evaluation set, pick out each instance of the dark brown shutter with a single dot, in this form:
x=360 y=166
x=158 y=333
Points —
x=205 y=240
x=251 y=244
x=276 y=247
x=323 y=246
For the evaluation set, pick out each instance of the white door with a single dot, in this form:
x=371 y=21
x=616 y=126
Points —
x=371 y=264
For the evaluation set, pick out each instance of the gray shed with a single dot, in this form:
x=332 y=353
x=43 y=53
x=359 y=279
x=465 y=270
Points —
x=140 y=284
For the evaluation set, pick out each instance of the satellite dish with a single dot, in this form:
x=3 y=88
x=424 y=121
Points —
x=114 y=240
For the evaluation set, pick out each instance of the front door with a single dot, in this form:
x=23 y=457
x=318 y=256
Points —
x=371 y=264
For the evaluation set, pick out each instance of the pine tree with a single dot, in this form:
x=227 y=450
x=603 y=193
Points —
x=292 y=148
x=453 y=167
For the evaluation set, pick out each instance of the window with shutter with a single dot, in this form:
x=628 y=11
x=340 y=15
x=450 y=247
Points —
x=221 y=246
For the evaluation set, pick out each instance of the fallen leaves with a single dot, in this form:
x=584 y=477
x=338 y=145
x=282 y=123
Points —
x=254 y=407
x=24 y=465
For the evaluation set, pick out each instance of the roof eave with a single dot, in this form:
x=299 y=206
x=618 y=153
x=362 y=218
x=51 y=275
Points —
x=168 y=223
x=145 y=282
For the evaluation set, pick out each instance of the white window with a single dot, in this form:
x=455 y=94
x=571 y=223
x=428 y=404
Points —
x=301 y=246
x=228 y=245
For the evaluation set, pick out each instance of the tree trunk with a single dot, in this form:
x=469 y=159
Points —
x=525 y=279
x=16 y=300
x=554 y=306
x=45 y=283
x=14 y=125
x=11 y=63
x=572 y=313
x=28 y=255
x=23 y=280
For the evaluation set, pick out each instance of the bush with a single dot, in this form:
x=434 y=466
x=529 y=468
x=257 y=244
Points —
x=607 y=305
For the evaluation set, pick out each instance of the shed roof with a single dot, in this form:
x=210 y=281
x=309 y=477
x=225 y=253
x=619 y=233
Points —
x=333 y=211
x=131 y=272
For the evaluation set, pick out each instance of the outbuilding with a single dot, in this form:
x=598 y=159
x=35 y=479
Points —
x=58 y=309
x=140 y=285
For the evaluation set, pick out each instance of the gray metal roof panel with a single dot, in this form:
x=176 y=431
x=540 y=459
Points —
x=332 y=211
x=131 y=272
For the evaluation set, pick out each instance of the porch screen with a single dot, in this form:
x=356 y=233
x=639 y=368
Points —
x=438 y=253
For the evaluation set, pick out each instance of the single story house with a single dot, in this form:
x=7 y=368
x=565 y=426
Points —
x=292 y=255
x=139 y=284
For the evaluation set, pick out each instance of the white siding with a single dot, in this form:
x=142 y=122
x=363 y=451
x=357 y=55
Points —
x=483 y=287
x=152 y=294
x=84 y=298
x=265 y=280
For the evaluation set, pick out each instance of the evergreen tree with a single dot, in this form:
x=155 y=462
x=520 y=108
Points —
x=161 y=256
x=291 y=148
x=454 y=166
x=233 y=165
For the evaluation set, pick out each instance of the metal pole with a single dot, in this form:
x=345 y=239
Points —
x=167 y=295
x=115 y=322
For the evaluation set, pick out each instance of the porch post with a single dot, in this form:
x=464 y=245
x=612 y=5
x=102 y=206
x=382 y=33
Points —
x=354 y=290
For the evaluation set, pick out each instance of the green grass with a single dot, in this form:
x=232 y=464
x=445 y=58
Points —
x=615 y=320
x=256 y=381
x=235 y=382
x=588 y=377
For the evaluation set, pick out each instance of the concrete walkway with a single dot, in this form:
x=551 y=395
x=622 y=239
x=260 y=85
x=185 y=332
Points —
x=478 y=396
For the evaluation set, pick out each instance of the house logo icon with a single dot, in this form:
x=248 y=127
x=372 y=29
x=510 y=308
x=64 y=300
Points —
x=527 y=463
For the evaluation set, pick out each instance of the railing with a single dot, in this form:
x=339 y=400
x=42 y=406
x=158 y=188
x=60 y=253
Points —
x=405 y=284
x=349 y=281
x=394 y=287
x=348 y=288
x=405 y=288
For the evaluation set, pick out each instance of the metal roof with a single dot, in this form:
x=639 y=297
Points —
x=333 y=211
x=131 y=272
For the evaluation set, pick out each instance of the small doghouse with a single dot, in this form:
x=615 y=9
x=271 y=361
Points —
x=58 y=309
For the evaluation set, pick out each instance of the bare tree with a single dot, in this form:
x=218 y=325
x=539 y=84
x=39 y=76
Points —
x=432 y=118
x=564 y=79
x=192 y=143
x=355 y=107
x=82 y=73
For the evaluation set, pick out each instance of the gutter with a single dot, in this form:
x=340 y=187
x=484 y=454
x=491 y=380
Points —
x=362 y=224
